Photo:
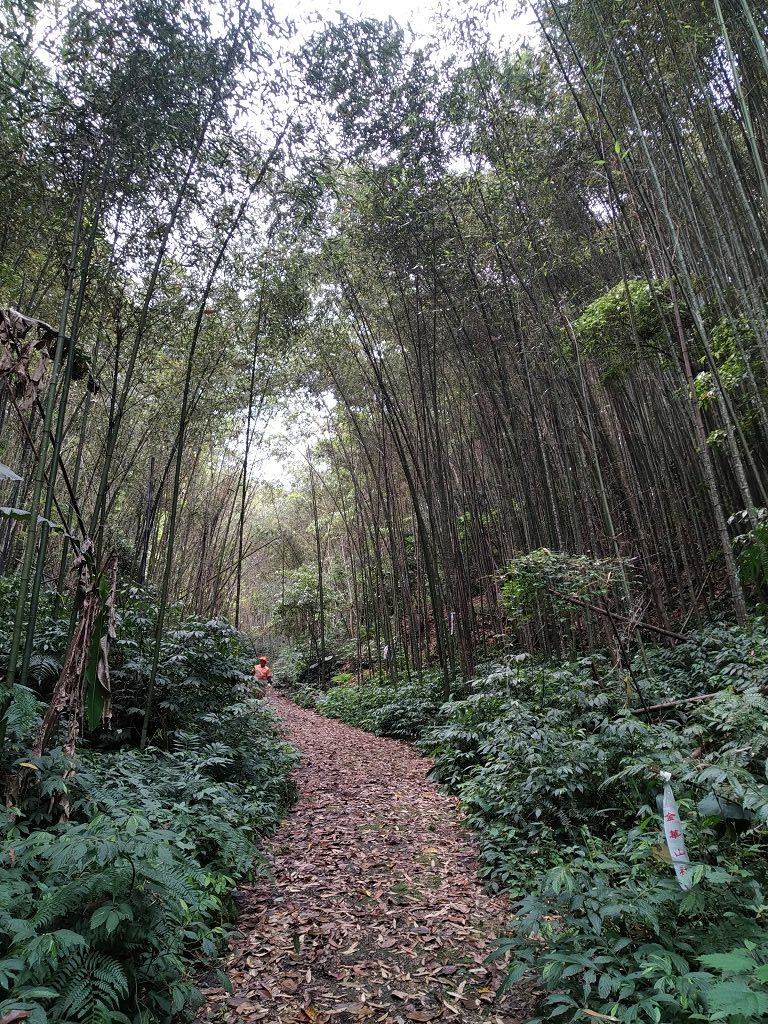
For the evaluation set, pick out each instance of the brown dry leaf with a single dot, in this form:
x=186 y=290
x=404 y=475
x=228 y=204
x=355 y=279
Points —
x=360 y=1010
x=13 y=1015
x=372 y=904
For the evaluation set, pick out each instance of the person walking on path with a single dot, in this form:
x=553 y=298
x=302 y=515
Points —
x=262 y=674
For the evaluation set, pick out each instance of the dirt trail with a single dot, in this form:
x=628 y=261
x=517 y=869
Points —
x=373 y=910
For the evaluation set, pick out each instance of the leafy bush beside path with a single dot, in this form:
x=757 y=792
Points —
x=560 y=779
x=117 y=871
x=401 y=711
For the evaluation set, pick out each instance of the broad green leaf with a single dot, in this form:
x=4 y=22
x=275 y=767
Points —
x=100 y=915
x=515 y=973
x=223 y=980
x=8 y=969
x=733 y=963
x=734 y=997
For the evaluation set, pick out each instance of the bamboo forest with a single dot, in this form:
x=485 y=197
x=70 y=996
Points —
x=384 y=512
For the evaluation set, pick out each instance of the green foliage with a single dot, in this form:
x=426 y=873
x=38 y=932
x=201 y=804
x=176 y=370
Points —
x=288 y=665
x=373 y=80
x=606 y=931
x=202 y=663
x=560 y=778
x=626 y=324
x=297 y=613
x=751 y=547
x=735 y=354
x=401 y=710
x=543 y=580
x=520 y=753
x=720 y=657
x=117 y=870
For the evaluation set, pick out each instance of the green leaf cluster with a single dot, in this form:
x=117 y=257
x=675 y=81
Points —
x=117 y=871
x=401 y=710
x=544 y=580
x=630 y=322
x=560 y=779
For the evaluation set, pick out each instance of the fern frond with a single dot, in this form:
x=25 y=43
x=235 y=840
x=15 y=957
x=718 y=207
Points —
x=91 y=978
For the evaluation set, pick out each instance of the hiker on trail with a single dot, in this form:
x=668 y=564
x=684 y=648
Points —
x=262 y=673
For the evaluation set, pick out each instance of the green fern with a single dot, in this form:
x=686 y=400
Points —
x=101 y=1013
x=88 y=981
x=122 y=898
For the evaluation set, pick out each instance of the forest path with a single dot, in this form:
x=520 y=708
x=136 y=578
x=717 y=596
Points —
x=373 y=909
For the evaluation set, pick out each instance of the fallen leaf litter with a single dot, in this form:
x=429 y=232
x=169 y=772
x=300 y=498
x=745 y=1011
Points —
x=373 y=909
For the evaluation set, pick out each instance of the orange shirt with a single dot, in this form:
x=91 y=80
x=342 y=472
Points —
x=262 y=673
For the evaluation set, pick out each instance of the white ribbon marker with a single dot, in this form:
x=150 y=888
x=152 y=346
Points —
x=673 y=830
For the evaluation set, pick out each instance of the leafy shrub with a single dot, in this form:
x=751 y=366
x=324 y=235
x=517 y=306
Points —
x=50 y=636
x=520 y=753
x=715 y=658
x=202 y=663
x=631 y=322
x=751 y=546
x=560 y=777
x=552 y=590
x=287 y=667
x=400 y=710
x=553 y=577
x=220 y=788
x=307 y=696
x=116 y=872
x=735 y=353
x=609 y=933
x=100 y=913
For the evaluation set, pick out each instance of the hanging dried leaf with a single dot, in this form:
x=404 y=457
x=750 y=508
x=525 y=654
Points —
x=98 y=705
x=96 y=606
x=27 y=346
x=24 y=357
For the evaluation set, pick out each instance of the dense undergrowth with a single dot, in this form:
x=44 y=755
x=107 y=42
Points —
x=402 y=711
x=117 y=870
x=557 y=767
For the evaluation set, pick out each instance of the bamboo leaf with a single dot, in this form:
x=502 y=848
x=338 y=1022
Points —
x=23 y=515
x=6 y=473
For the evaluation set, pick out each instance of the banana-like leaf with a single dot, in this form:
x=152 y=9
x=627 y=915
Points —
x=97 y=684
x=94 y=698
x=23 y=515
x=6 y=473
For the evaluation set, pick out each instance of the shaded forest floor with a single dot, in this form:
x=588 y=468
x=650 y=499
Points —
x=373 y=909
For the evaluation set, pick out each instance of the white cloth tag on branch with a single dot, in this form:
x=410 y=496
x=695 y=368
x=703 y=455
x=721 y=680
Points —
x=673 y=831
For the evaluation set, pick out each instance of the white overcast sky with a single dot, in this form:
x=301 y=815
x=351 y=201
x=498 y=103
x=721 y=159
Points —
x=511 y=27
